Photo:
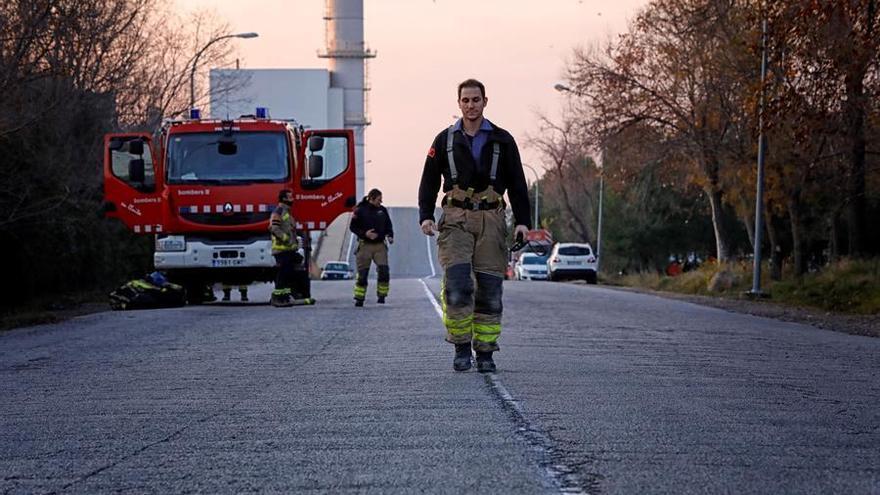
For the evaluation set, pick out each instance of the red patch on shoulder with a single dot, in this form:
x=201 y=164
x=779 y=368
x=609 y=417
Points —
x=431 y=152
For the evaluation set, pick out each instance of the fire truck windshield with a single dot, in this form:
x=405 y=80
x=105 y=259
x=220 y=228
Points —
x=256 y=157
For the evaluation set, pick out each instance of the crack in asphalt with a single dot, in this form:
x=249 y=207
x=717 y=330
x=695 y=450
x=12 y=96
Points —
x=139 y=451
x=180 y=431
x=552 y=460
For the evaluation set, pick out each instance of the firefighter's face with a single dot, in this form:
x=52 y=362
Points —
x=471 y=102
x=288 y=199
x=376 y=201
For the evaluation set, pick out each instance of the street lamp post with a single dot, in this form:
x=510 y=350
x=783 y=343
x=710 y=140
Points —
x=759 y=194
x=562 y=88
x=192 y=73
x=601 y=167
x=534 y=225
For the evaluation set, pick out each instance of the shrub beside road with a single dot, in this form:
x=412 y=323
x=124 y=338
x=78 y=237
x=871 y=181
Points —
x=843 y=296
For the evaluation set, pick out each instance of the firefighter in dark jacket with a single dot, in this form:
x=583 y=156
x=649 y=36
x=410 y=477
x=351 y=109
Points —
x=371 y=223
x=292 y=286
x=478 y=161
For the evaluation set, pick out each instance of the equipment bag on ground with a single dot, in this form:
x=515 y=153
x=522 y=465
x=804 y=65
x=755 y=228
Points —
x=152 y=291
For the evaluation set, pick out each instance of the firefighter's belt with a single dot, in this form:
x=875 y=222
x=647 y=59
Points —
x=471 y=205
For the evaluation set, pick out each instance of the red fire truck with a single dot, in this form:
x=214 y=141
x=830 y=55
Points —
x=205 y=189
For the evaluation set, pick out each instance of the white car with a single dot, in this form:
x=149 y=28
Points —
x=336 y=270
x=531 y=266
x=569 y=260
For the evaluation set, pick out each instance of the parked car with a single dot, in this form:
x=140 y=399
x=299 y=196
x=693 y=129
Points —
x=531 y=266
x=336 y=270
x=568 y=260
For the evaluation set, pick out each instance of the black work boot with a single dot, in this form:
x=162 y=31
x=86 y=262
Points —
x=359 y=303
x=485 y=363
x=381 y=300
x=462 y=360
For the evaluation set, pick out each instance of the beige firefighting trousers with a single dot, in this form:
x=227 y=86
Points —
x=367 y=253
x=472 y=247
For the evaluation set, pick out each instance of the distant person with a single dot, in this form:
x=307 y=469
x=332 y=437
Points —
x=692 y=262
x=371 y=223
x=291 y=282
x=478 y=162
x=673 y=269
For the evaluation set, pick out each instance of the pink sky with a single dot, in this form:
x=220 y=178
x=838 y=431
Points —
x=425 y=48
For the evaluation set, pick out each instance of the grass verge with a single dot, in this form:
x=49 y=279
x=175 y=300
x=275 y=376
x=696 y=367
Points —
x=847 y=286
x=53 y=309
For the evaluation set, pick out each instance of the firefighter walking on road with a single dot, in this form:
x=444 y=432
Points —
x=478 y=161
x=371 y=223
x=291 y=281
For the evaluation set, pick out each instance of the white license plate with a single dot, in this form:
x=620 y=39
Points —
x=224 y=262
x=573 y=262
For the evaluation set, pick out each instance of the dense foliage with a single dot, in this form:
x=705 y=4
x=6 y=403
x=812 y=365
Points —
x=71 y=70
x=673 y=109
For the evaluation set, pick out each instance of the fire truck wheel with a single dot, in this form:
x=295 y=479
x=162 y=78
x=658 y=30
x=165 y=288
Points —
x=199 y=294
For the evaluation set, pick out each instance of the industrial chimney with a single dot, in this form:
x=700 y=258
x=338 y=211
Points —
x=347 y=56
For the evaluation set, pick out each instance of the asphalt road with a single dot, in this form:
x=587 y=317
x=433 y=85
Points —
x=413 y=254
x=598 y=391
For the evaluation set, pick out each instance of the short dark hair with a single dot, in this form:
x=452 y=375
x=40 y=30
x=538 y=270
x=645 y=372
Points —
x=472 y=83
x=282 y=193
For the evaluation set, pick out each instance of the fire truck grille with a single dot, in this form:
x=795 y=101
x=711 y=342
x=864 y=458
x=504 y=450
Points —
x=241 y=218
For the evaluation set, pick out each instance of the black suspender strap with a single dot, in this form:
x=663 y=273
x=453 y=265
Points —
x=453 y=172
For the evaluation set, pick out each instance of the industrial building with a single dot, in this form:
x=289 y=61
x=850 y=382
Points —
x=330 y=98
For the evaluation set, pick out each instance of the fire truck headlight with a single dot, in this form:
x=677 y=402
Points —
x=171 y=243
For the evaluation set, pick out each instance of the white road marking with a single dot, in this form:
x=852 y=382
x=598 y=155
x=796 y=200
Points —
x=350 y=243
x=560 y=474
x=432 y=299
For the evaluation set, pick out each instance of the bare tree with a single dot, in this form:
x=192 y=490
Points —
x=664 y=73
x=686 y=75
x=836 y=48
x=560 y=147
x=71 y=70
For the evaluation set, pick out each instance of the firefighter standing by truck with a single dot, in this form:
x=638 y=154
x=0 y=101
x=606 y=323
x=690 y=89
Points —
x=227 y=292
x=292 y=286
x=478 y=162
x=371 y=223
